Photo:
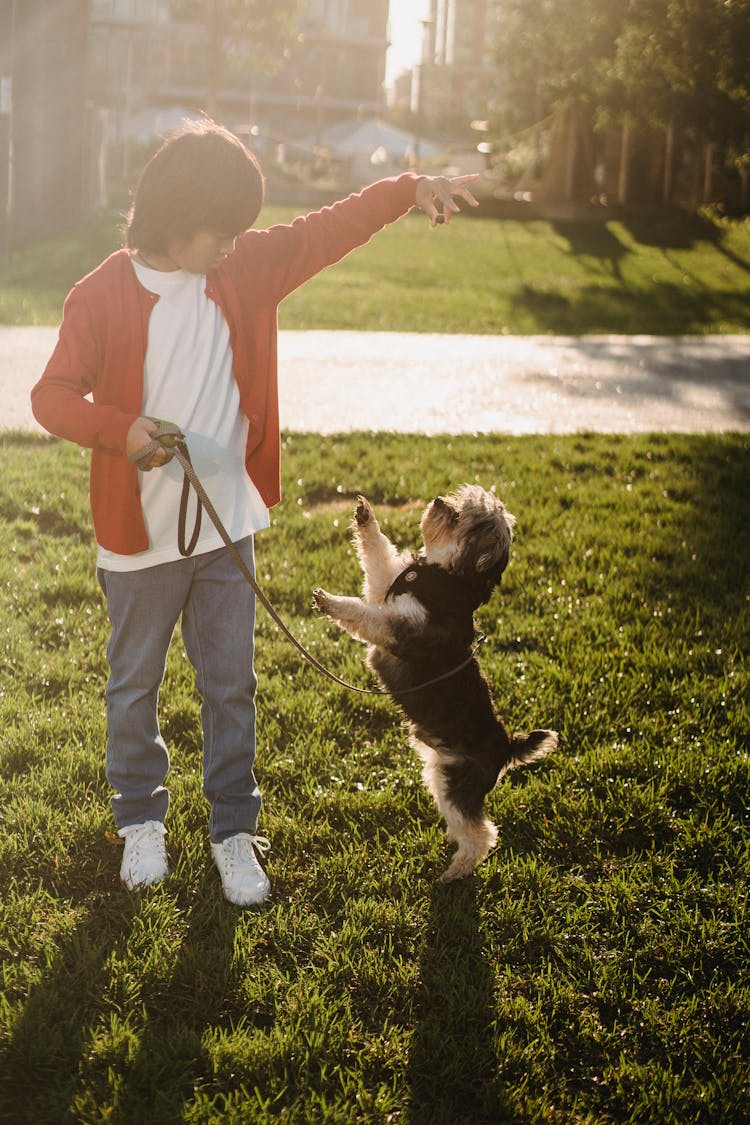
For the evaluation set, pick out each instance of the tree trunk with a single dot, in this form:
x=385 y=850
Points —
x=624 y=175
x=668 y=163
x=745 y=182
x=571 y=156
x=708 y=172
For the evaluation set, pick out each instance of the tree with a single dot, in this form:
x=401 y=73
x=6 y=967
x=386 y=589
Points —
x=682 y=65
x=673 y=64
x=687 y=60
x=552 y=54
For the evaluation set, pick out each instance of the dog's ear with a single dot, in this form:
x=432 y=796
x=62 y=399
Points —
x=492 y=564
x=486 y=548
x=483 y=582
x=495 y=574
x=495 y=557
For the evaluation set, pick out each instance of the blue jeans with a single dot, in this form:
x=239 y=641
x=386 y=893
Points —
x=218 y=621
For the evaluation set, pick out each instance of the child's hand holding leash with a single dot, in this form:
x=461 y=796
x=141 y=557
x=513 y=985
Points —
x=435 y=190
x=139 y=435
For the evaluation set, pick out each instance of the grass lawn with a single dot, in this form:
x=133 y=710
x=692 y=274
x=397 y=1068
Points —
x=594 y=969
x=673 y=275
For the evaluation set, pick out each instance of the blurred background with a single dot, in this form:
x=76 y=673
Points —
x=557 y=103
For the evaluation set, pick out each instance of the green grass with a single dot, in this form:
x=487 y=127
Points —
x=672 y=275
x=595 y=968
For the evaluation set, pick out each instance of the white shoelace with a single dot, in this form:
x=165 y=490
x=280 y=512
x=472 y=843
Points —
x=240 y=847
x=147 y=836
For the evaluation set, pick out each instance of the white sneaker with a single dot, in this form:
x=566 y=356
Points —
x=243 y=880
x=145 y=858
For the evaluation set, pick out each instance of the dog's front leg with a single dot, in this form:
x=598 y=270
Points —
x=372 y=624
x=381 y=562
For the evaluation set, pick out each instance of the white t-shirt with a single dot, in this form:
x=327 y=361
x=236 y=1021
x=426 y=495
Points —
x=188 y=379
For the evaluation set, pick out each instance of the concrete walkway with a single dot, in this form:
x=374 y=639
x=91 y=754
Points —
x=338 y=381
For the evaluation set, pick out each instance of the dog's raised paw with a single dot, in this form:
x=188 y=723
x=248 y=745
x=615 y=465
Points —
x=320 y=599
x=363 y=512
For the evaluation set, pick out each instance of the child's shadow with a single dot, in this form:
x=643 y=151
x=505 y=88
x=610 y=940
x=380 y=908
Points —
x=198 y=992
x=453 y=1069
x=41 y=1063
x=111 y=1024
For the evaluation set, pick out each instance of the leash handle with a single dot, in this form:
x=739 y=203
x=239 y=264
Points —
x=166 y=437
x=170 y=438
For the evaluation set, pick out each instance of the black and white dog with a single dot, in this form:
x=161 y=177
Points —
x=416 y=613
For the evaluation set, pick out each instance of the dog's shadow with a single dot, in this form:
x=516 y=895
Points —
x=453 y=1069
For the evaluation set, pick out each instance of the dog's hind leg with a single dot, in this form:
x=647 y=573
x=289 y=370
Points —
x=475 y=836
x=459 y=786
x=381 y=562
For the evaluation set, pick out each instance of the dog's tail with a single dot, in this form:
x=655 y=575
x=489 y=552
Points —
x=525 y=748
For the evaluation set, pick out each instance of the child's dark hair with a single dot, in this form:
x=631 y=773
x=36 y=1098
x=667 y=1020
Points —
x=202 y=178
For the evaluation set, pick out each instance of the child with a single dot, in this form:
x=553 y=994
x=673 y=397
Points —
x=181 y=325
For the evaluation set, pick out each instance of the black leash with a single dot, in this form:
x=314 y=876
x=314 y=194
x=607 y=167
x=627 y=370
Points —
x=170 y=438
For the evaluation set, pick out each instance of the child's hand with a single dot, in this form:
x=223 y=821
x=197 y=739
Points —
x=139 y=435
x=435 y=190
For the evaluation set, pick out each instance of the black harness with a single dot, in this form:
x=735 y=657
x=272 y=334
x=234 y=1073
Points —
x=439 y=591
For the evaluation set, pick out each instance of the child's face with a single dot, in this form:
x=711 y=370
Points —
x=202 y=251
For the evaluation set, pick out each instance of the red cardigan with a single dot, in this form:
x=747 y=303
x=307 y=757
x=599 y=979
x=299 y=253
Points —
x=102 y=345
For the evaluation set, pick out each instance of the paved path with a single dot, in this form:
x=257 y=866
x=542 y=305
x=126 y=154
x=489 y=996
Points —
x=339 y=381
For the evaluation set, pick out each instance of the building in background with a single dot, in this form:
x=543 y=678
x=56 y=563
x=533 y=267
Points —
x=456 y=77
x=86 y=84
x=143 y=59
x=338 y=70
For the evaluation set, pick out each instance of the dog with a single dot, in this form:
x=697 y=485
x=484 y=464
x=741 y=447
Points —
x=416 y=614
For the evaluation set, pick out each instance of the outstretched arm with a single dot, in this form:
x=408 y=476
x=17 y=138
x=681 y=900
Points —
x=285 y=256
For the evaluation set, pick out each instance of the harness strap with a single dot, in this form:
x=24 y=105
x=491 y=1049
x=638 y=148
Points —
x=171 y=438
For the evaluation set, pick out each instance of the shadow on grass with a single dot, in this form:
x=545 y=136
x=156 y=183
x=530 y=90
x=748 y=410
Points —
x=626 y=309
x=699 y=559
x=607 y=309
x=675 y=230
x=40 y=1068
x=594 y=240
x=453 y=1073
x=96 y=1036
x=160 y=1079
